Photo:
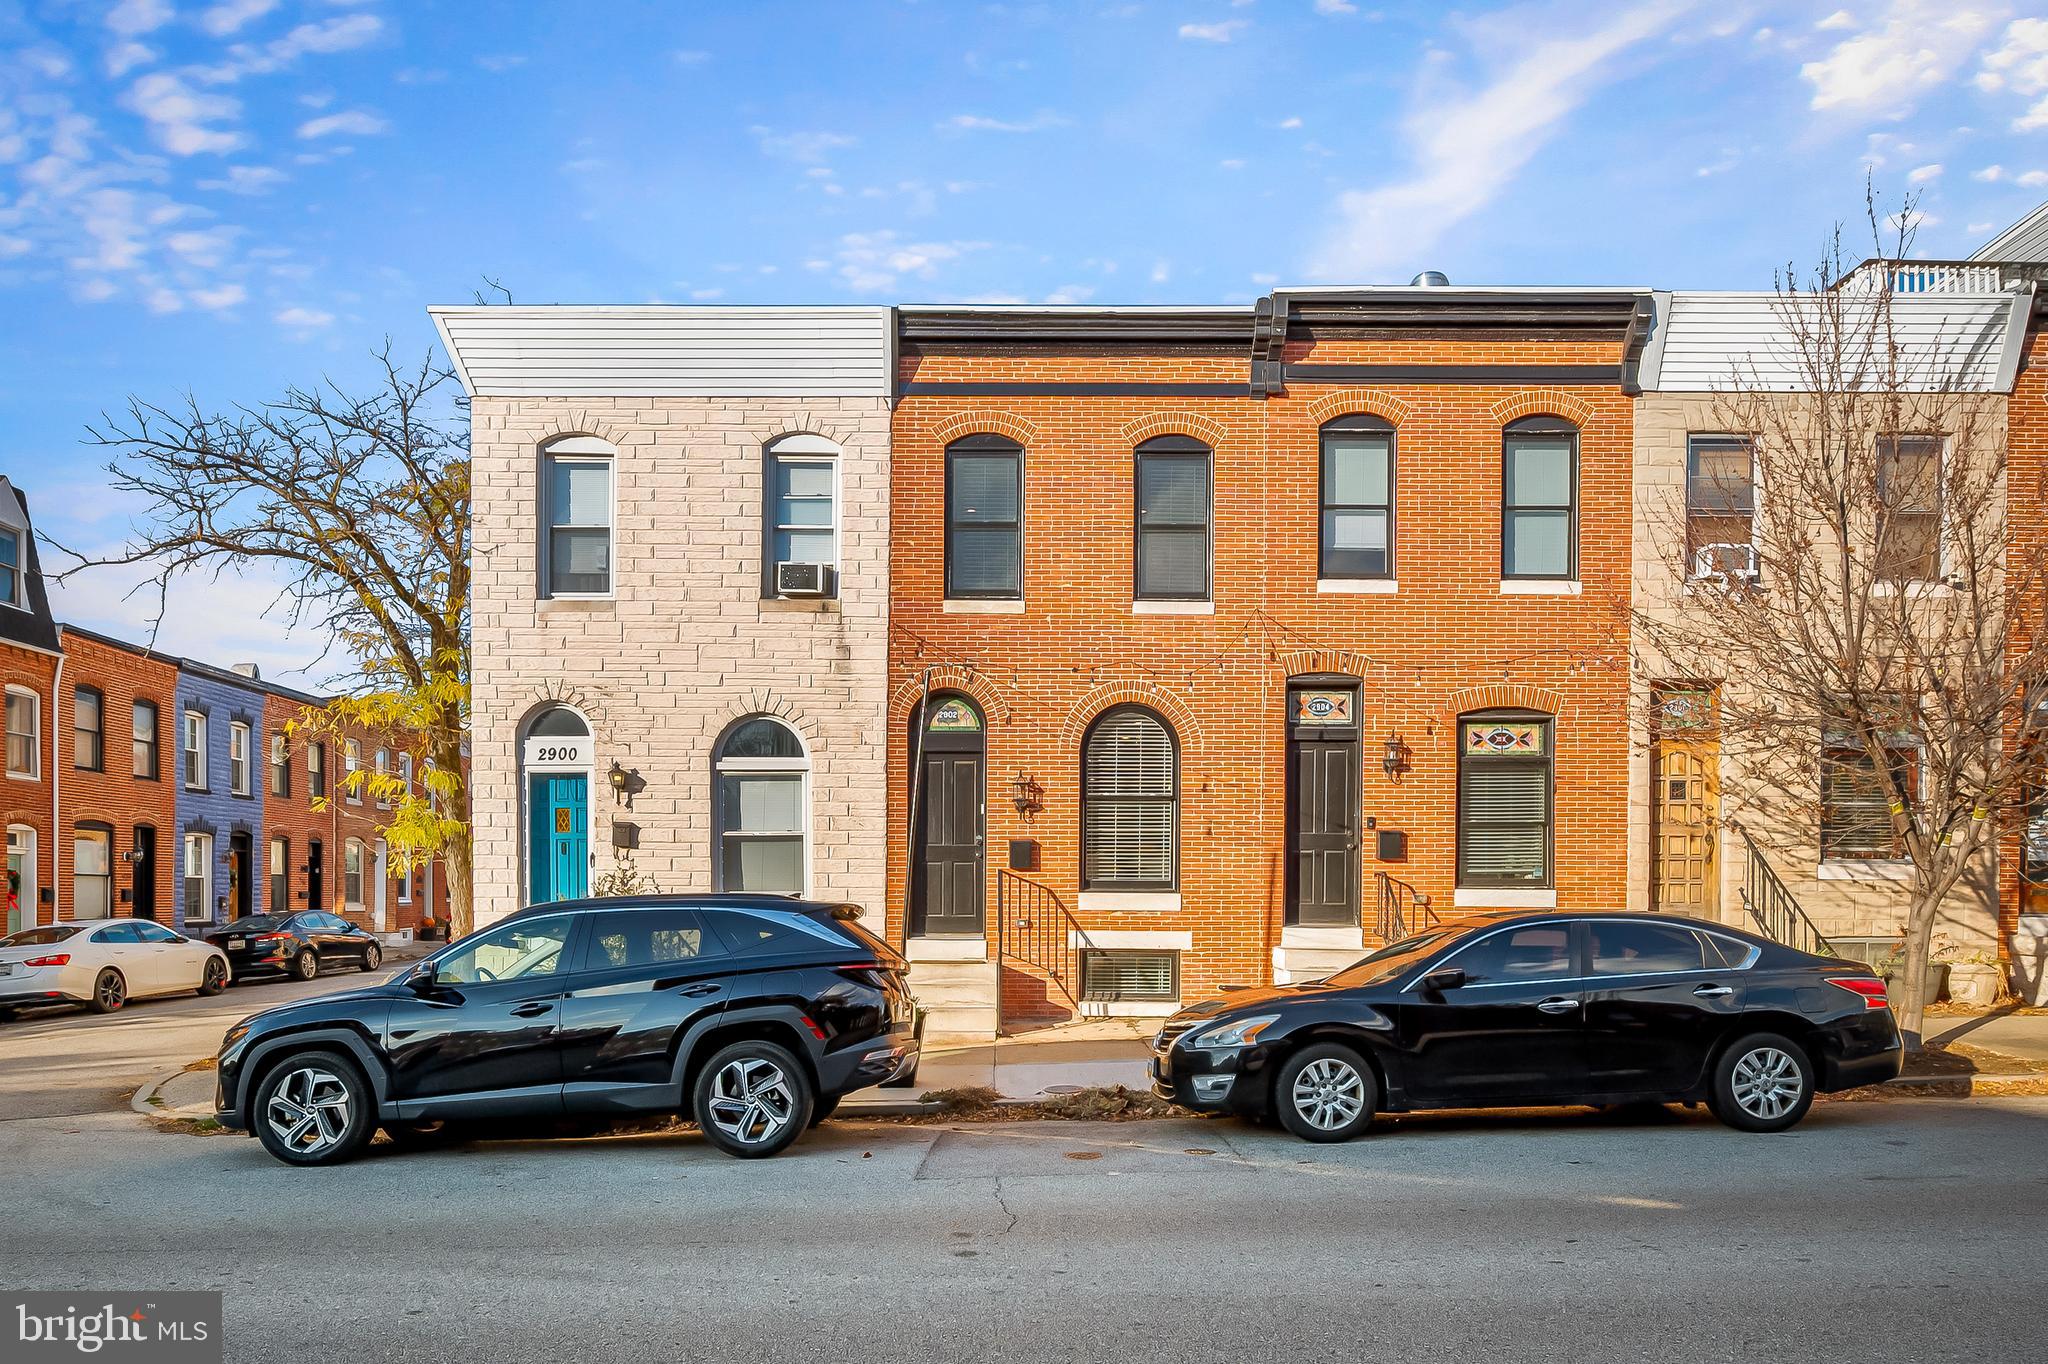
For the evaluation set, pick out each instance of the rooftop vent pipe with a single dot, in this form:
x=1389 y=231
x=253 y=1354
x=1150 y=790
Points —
x=1430 y=279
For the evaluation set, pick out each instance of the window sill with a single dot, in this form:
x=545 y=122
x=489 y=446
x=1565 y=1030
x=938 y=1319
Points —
x=1483 y=897
x=1364 y=587
x=1173 y=608
x=979 y=606
x=1159 y=939
x=806 y=606
x=1539 y=587
x=550 y=605
x=1865 y=869
x=24 y=776
x=1129 y=901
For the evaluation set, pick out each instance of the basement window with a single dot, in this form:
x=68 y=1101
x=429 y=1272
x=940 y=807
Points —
x=1111 y=976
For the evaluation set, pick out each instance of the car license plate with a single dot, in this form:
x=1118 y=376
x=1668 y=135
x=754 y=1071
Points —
x=6 y=968
x=238 y=942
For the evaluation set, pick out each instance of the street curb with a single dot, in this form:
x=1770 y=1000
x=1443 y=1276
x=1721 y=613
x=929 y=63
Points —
x=140 y=1099
x=1968 y=1079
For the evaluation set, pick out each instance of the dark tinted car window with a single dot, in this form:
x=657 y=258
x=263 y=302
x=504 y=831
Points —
x=646 y=937
x=117 y=933
x=155 y=932
x=40 y=937
x=769 y=930
x=1725 y=952
x=257 y=923
x=1627 y=949
x=1390 y=959
x=1534 y=952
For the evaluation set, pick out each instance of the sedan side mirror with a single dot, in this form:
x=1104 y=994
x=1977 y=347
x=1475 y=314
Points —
x=1450 y=978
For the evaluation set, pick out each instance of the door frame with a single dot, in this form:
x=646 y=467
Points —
x=26 y=903
x=1704 y=742
x=1298 y=734
x=922 y=745
x=581 y=760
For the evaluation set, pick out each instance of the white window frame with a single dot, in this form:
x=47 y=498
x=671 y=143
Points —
x=280 y=765
x=238 y=758
x=403 y=878
x=21 y=840
x=35 y=735
x=92 y=833
x=204 y=844
x=351 y=763
x=799 y=766
x=352 y=848
x=195 y=775
x=578 y=450
x=382 y=763
x=802 y=448
x=18 y=572
x=316 y=766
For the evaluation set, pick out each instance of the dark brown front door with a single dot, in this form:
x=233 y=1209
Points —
x=948 y=867
x=238 y=877
x=1322 y=805
x=145 y=872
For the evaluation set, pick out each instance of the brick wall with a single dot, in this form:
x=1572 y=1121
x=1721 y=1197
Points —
x=1449 y=641
x=2027 y=493
x=25 y=801
x=115 y=796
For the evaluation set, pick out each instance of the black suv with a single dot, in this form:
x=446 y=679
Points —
x=752 y=1014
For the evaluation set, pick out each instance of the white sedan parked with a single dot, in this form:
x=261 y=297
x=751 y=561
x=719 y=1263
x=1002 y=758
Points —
x=104 y=963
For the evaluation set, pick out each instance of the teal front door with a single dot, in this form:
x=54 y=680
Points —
x=558 y=851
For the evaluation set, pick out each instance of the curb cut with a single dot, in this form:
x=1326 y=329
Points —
x=140 y=1099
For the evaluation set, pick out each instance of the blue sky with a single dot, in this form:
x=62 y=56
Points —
x=228 y=196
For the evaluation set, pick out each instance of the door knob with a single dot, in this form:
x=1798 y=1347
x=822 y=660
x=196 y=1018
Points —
x=697 y=990
x=1557 y=1006
x=1713 y=992
x=533 y=1008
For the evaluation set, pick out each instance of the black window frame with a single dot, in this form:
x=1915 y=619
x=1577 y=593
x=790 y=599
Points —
x=984 y=446
x=137 y=745
x=1541 y=425
x=1177 y=449
x=280 y=881
x=1465 y=880
x=98 y=733
x=1359 y=423
x=1840 y=754
x=1171 y=801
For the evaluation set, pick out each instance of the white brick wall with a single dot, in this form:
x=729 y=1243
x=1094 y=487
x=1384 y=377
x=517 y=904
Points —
x=688 y=646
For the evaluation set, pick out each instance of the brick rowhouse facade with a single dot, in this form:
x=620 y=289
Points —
x=1448 y=372
x=130 y=796
x=2023 y=850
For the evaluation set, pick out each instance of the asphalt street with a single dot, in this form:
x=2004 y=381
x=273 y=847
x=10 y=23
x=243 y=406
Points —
x=1904 y=1231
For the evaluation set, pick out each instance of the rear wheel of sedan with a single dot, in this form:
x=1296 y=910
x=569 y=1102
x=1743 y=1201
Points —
x=213 y=977
x=752 y=1099
x=1325 y=1093
x=109 y=992
x=314 y=1108
x=1762 y=1083
x=306 y=965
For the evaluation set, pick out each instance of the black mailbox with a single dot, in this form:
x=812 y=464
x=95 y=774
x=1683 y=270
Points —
x=1393 y=845
x=1023 y=854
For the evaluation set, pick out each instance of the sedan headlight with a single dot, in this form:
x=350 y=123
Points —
x=1240 y=1032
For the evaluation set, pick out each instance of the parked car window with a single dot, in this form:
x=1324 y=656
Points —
x=155 y=932
x=1535 y=952
x=1725 y=952
x=1389 y=960
x=1630 y=949
x=117 y=933
x=762 y=930
x=41 y=937
x=523 y=948
x=647 y=937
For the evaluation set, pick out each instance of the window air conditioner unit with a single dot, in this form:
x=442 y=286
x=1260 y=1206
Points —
x=802 y=580
x=1725 y=562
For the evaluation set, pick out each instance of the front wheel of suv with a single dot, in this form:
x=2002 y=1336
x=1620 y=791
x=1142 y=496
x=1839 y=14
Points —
x=314 y=1108
x=1325 y=1093
x=752 y=1099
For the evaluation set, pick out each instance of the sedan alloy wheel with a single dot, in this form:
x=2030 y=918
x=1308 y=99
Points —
x=1762 y=1083
x=1766 y=1083
x=213 y=977
x=1325 y=1093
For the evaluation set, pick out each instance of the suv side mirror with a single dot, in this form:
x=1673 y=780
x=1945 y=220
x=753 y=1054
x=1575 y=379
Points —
x=423 y=980
x=1450 y=978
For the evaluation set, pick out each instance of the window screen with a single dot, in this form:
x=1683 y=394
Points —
x=984 y=518
x=1539 y=500
x=1129 y=800
x=1357 y=503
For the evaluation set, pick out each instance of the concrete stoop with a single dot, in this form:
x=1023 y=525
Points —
x=959 y=996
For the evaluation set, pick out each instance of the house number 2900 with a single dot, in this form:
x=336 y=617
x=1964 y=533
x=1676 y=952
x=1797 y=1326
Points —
x=554 y=754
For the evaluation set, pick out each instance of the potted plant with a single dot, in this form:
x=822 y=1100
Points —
x=1892 y=966
x=1973 y=974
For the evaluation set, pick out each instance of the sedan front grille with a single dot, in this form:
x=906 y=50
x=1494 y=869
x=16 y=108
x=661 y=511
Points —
x=1170 y=1032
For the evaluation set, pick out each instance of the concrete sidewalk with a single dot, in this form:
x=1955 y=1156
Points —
x=2022 y=1034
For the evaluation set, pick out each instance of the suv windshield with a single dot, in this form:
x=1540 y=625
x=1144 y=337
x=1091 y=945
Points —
x=1389 y=960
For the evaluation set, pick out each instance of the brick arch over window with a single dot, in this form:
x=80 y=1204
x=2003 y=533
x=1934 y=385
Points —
x=1147 y=694
x=1542 y=403
x=765 y=701
x=1506 y=696
x=555 y=693
x=808 y=424
x=1349 y=402
x=578 y=424
x=1141 y=429
x=984 y=421
x=950 y=677
x=1304 y=662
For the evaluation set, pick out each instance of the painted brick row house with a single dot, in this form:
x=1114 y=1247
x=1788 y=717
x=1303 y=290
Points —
x=159 y=787
x=1107 y=656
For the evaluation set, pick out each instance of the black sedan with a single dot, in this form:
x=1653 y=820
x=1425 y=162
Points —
x=751 y=1014
x=1537 y=1009
x=301 y=945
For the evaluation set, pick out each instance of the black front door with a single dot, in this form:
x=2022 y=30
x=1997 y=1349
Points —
x=1322 y=805
x=145 y=872
x=1515 y=1029
x=315 y=889
x=947 y=867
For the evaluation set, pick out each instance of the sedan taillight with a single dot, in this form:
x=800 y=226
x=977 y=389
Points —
x=1867 y=988
x=271 y=937
x=59 y=959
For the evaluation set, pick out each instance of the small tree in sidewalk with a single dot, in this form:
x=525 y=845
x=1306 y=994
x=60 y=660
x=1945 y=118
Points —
x=363 y=502
x=1843 y=574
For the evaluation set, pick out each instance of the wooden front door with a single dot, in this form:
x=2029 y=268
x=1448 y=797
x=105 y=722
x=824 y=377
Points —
x=1322 y=806
x=948 y=868
x=1684 y=810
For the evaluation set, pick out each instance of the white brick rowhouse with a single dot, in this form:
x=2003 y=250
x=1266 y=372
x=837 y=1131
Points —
x=639 y=473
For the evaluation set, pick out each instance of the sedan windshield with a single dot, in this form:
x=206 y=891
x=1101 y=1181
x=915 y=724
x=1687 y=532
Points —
x=39 y=937
x=1390 y=960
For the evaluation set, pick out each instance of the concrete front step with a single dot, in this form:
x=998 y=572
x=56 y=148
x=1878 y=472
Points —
x=1293 y=964
x=959 y=997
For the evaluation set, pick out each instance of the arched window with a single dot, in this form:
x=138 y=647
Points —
x=1173 y=513
x=1130 y=802
x=985 y=518
x=802 y=517
x=1357 y=533
x=763 y=800
x=577 y=496
x=1504 y=800
x=1539 y=529
x=558 y=722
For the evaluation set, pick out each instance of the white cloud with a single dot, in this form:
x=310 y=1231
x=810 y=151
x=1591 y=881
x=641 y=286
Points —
x=341 y=34
x=348 y=123
x=2020 y=64
x=1990 y=175
x=690 y=56
x=1335 y=7
x=131 y=17
x=2032 y=179
x=801 y=147
x=303 y=319
x=1883 y=68
x=1038 y=122
x=706 y=295
x=180 y=117
x=1467 y=145
x=1232 y=163
x=230 y=15
x=1071 y=293
x=501 y=61
x=872 y=262
x=1840 y=19
x=1291 y=121
x=1920 y=175
x=202 y=246
x=1221 y=32
x=215 y=300
x=1162 y=271
x=125 y=57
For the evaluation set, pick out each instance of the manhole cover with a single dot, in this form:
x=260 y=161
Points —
x=1084 y=1155
x=1061 y=1089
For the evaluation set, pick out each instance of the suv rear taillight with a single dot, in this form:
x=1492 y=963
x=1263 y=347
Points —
x=1867 y=988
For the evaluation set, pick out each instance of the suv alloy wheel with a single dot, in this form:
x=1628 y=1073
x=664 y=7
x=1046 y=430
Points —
x=314 y=1108
x=752 y=1099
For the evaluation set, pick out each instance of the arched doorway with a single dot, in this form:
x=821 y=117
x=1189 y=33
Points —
x=555 y=760
x=947 y=867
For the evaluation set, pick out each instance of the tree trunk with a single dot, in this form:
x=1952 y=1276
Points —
x=1909 y=987
x=461 y=912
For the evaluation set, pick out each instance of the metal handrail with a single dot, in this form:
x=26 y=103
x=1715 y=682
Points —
x=1400 y=909
x=1776 y=912
x=1035 y=928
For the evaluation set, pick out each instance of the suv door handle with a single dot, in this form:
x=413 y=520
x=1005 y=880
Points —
x=1557 y=1006
x=532 y=1008
x=1713 y=992
x=696 y=990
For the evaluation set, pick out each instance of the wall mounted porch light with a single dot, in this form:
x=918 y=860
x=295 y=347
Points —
x=1029 y=797
x=1399 y=757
